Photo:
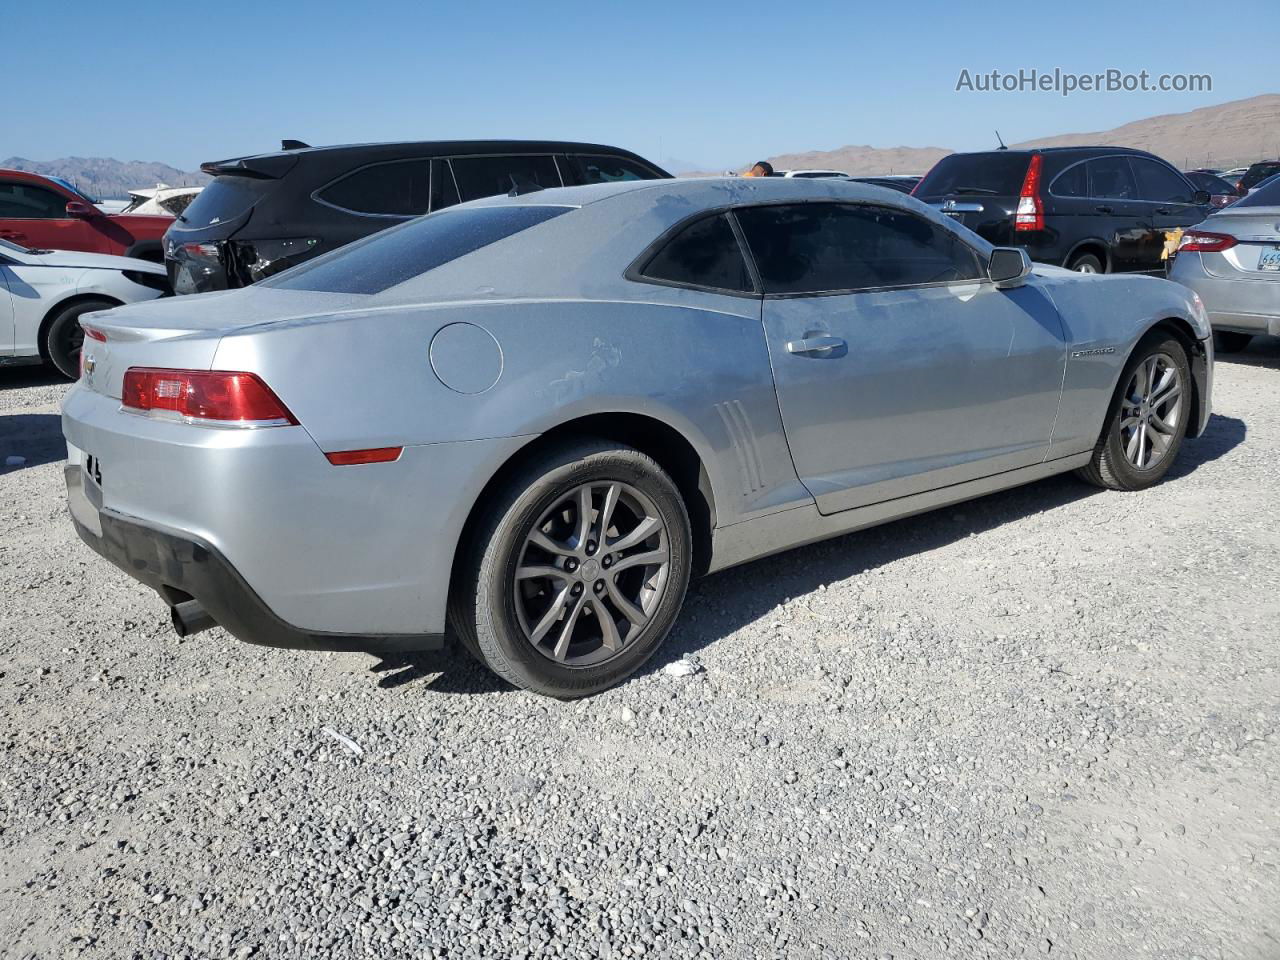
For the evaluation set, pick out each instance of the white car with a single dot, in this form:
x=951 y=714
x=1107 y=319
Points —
x=43 y=294
x=161 y=200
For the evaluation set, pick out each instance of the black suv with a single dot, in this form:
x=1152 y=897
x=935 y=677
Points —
x=1092 y=209
x=1256 y=174
x=265 y=213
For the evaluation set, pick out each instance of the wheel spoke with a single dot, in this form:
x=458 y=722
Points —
x=584 y=514
x=545 y=542
x=566 y=632
x=540 y=570
x=641 y=560
x=550 y=617
x=643 y=531
x=608 y=628
x=1131 y=449
x=1158 y=442
x=606 y=511
x=1129 y=422
x=1164 y=426
x=625 y=606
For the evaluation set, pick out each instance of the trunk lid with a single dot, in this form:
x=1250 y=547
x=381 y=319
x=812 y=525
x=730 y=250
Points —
x=184 y=332
x=1256 y=255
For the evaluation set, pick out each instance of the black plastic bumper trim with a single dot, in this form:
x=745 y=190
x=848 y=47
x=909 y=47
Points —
x=179 y=566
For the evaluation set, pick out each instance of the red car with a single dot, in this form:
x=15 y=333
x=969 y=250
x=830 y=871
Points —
x=39 y=212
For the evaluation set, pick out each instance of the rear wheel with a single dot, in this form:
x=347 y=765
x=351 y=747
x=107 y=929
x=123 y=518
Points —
x=1229 y=341
x=578 y=570
x=1086 y=263
x=64 y=337
x=1147 y=420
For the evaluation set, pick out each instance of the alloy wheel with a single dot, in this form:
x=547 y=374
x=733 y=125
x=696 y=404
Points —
x=1151 y=411
x=591 y=573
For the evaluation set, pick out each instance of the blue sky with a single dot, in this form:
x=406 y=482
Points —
x=711 y=85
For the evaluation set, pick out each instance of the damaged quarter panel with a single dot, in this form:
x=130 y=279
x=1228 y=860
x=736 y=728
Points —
x=1105 y=316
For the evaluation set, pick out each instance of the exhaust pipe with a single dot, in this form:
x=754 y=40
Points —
x=190 y=618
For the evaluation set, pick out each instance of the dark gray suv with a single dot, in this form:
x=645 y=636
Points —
x=265 y=213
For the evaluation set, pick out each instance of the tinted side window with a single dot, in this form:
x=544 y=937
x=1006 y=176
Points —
x=1110 y=178
x=611 y=170
x=817 y=247
x=489 y=176
x=398 y=189
x=22 y=201
x=1158 y=182
x=1072 y=182
x=703 y=254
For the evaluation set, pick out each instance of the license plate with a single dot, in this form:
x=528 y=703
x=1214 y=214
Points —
x=93 y=469
x=1270 y=260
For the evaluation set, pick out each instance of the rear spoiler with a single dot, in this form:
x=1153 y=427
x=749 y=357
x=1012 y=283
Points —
x=267 y=166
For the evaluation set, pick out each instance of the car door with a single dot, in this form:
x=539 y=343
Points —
x=899 y=367
x=1169 y=199
x=1121 y=216
x=36 y=216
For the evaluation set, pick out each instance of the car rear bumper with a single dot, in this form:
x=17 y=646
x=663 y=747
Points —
x=182 y=567
x=1247 y=304
x=348 y=551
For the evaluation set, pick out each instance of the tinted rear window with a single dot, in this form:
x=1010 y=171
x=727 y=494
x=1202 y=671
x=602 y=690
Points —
x=1267 y=195
x=402 y=253
x=993 y=174
x=1259 y=172
x=225 y=199
x=490 y=176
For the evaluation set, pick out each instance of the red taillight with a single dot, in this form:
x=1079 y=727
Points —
x=1030 y=212
x=214 y=396
x=94 y=334
x=1200 y=241
x=345 y=458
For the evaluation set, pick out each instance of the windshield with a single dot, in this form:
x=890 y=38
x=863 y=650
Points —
x=73 y=188
x=411 y=249
x=984 y=174
x=1267 y=195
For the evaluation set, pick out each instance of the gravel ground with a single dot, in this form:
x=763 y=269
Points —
x=1044 y=722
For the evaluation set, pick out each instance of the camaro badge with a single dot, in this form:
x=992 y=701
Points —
x=1096 y=351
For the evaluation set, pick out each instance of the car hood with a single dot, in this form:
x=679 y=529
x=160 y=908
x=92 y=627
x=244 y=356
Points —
x=97 y=261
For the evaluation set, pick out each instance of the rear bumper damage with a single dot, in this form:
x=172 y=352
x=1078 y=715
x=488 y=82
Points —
x=184 y=569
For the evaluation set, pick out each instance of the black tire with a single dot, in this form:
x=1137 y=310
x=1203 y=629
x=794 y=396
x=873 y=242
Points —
x=1230 y=341
x=1110 y=467
x=63 y=335
x=483 y=604
x=1087 y=263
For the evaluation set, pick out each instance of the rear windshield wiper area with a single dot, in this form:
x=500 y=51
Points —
x=982 y=190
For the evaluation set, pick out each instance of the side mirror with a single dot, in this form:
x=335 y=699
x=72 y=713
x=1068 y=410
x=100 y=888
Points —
x=1008 y=267
x=81 y=210
x=1201 y=197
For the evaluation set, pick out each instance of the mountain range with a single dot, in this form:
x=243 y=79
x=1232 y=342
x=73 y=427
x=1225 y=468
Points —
x=105 y=179
x=1226 y=134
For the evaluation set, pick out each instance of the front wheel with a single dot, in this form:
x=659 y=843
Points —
x=578 y=571
x=64 y=337
x=1147 y=420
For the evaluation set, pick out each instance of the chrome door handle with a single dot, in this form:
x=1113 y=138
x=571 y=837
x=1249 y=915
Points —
x=814 y=345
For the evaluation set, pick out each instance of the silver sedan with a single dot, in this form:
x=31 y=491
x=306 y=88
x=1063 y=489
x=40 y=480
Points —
x=536 y=417
x=1232 y=260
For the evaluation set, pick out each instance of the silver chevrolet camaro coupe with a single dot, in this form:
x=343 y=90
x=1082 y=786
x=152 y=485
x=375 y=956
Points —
x=535 y=417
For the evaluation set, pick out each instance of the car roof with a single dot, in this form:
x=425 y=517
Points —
x=708 y=192
x=442 y=147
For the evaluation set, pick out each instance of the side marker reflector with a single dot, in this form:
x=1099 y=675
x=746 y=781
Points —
x=344 y=458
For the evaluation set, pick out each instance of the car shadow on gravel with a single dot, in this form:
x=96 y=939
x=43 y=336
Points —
x=724 y=602
x=35 y=437
x=1261 y=352
x=33 y=375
